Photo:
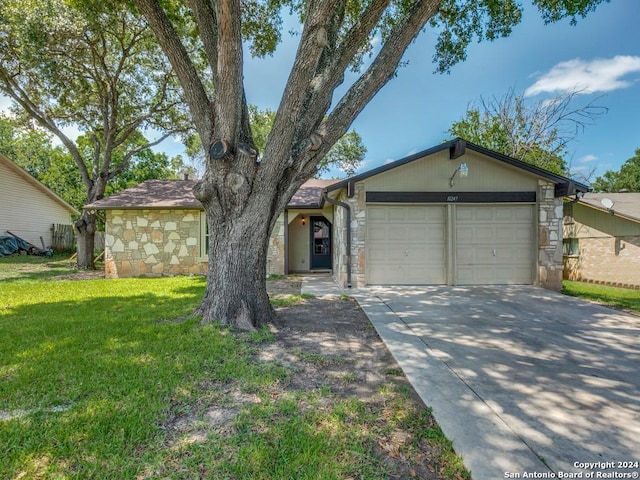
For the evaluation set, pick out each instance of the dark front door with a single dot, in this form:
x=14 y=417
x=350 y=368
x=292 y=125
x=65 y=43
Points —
x=320 y=243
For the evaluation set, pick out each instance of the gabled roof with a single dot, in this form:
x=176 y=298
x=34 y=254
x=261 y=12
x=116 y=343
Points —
x=163 y=194
x=456 y=147
x=36 y=183
x=625 y=205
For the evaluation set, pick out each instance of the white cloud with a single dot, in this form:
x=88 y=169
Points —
x=587 y=159
x=389 y=160
x=598 y=75
x=5 y=103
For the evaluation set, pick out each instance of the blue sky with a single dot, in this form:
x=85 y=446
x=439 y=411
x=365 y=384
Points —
x=414 y=110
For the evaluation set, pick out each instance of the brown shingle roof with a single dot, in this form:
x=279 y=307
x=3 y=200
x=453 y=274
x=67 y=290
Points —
x=179 y=194
x=310 y=193
x=151 y=194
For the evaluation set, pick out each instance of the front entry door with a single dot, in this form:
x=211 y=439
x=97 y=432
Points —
x=320 y=243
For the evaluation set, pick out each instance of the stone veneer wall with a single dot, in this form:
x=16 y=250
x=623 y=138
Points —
x=550 y=215
x=276 y=251
x=339 y=245
x=358 y=234
x=606 y=260
x=153 y=243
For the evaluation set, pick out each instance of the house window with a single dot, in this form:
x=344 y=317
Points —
x=571 y=247
x=204 y=236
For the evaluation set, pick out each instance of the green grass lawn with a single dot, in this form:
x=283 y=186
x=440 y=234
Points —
x=96 y=378
x=621 y=298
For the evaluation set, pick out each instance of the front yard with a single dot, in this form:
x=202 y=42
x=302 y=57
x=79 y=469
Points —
x=101 y=379
x=620 y=298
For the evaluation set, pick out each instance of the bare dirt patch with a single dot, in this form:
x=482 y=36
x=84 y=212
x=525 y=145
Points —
x=334 y=354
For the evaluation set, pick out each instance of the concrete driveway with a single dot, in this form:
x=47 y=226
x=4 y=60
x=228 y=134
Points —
x=520 y=378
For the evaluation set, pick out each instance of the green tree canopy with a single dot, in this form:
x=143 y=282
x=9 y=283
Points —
x=625 y=179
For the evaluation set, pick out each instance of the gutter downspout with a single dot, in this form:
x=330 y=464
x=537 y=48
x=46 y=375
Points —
x=348 y=222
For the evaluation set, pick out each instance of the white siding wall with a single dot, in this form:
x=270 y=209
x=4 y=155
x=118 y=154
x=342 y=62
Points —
x=26 y=210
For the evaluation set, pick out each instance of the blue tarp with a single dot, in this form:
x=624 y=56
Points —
x=11 y=245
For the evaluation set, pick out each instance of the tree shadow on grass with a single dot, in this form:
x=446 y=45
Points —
x=85 y=384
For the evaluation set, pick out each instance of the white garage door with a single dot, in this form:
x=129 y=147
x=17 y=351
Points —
x=406 y=245
x=494 y=244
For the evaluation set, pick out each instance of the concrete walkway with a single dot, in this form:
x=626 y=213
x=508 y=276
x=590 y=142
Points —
x=519 y=378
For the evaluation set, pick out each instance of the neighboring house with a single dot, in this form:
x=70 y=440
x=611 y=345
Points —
x=28 y=208
x=602 y=239
x=456 y=214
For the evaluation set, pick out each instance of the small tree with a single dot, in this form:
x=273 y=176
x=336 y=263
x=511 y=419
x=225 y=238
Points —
x=626 y=179
x=97 y=70
x=538 y=133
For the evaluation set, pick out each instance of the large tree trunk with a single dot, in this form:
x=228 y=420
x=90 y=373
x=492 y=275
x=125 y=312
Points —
x=236 y=292
x=86 y=228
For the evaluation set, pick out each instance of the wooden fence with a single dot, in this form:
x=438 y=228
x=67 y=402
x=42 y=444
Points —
x=63 y=237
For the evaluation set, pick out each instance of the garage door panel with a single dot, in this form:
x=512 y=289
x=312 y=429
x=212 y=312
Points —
x=406 y=245
x=376 y=234
x=405 y=276
x=396 y=234
x=429 y=236
x=377 y=254
x=397 y=215
x=376 y=213
x=488 y=275
x=428 y=276
x=498 y=250
x=418 y=255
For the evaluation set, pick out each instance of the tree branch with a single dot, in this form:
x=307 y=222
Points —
x=130 y=154
x=205 y=17
x=21 y=97
x=195 y=93
x=227 y=74
x=376 y=76
x=325 y=83
x=295 y=96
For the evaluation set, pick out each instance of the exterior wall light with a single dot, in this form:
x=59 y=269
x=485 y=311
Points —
x=463 y=169
x=304 y=221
